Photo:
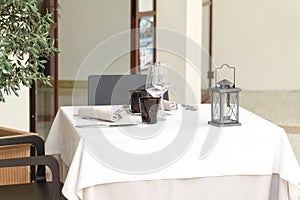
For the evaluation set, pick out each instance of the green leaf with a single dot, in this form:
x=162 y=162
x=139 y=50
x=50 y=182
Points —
x=26 y=31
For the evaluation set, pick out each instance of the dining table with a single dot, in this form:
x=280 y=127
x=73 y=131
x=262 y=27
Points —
x=181 y=157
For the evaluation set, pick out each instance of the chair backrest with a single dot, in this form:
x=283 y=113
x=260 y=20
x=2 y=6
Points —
x=113 y=89
x=39 y=188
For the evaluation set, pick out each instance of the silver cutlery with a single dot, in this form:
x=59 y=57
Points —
x=122 y=109
x=103 y=125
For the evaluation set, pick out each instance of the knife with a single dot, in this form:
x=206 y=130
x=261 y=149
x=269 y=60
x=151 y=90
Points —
x=211 y=140
x=103 y=125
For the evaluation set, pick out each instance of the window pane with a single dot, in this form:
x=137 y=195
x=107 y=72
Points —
x=145 y=5
x=146 y=39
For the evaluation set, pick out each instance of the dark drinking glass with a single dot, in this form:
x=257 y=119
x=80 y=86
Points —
x=134 y=99
x=149 y=107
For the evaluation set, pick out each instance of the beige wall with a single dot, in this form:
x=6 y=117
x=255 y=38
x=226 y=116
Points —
x=85 y=24
x=172 y=23
x=194 y=43
x=15 y=111
x=182 y=20
x=260 y=38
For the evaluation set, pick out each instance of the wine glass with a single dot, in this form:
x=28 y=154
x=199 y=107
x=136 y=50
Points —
x=162 y=78
x=158 y=81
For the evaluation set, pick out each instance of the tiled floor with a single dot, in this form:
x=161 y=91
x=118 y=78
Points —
x=69 y=97
x=282 y=108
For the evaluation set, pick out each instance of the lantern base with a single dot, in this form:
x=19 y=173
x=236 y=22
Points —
x=225 y=124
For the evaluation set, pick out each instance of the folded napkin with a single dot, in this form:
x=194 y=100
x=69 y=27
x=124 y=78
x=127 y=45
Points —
x=106 y=114
x=170 y=105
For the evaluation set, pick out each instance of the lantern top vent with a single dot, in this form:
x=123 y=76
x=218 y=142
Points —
x=225 y=84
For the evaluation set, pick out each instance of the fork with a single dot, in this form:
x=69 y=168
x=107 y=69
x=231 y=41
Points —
x=124 y=107
x=189 y=107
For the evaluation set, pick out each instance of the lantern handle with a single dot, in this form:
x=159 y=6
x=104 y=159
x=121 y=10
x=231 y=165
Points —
x=216 y=79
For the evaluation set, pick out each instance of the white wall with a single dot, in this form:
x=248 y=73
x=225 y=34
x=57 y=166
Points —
x=85 y=24
x=171 y=23
x=178 y=43
x=260 y=38
x=15 y=111
x=194 y=49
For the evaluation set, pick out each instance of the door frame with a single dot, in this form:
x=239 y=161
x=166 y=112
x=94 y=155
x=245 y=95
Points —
x=33 y=93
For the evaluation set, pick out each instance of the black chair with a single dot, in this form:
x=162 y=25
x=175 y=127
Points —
x=38 y=188
x=114 y=89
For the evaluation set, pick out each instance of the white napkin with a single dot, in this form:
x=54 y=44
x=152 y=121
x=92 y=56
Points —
x=170 y=105
x=102 y=113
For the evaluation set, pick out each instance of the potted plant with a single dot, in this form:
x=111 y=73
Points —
x=25 y=45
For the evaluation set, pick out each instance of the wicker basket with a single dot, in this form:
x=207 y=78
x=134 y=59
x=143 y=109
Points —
x=14 y=175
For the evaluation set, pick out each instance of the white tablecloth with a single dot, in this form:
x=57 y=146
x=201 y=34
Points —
x=257 y=148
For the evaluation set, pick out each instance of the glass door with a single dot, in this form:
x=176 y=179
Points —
x=44 y=102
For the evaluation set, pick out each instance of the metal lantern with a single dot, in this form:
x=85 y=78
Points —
x=224 y=102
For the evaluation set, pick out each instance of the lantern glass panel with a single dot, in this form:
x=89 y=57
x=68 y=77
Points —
x=216 y=112
x=230 y=107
